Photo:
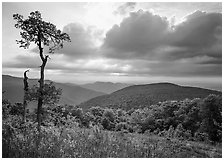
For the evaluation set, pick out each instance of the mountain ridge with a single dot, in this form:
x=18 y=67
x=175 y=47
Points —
x=70 y=94
x=105 y=87
x=147 y=94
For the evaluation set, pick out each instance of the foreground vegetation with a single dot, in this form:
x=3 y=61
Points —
x=189 y=128
x=86 y=143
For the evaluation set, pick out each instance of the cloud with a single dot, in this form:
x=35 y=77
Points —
x=125 y=8
x=83 y=42
x=59 y=62
x=139 y=33
x=200 y=29
x=189 y=67
x=23 y=61
x=81 y=45
x=144 y=35
x=142 y=45
x=184 y=68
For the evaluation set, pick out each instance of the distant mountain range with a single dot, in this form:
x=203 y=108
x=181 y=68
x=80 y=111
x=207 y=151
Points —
x=94 y=94
x=144 y=95
x=71 y=94
x=106 y=87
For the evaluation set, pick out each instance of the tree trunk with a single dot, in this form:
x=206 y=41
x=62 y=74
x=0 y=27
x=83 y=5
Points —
x=41 y=83
x=24 y=108
x=40 y=98
x=25 y=95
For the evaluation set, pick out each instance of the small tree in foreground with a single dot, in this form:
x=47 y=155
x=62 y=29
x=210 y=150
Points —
x=42 y=33
x=51 y=94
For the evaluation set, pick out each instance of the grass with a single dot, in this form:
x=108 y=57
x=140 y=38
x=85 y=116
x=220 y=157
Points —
x=78 y=142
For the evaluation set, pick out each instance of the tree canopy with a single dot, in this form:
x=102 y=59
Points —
x=34 y=29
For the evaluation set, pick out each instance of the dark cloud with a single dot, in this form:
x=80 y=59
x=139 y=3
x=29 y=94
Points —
x=125 y=8
x=139 y=33
x=183 y=68
x=143 y=35
x=188 y=69
x=199 y=30
x=81 y=44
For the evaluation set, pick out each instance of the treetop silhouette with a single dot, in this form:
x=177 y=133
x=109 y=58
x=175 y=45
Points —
x=38 y=31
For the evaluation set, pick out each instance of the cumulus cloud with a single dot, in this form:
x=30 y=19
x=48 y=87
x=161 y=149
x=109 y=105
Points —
x=200 y=29
x=143 y=44
x=145 y=35
x=139 y=33
x=82 y=42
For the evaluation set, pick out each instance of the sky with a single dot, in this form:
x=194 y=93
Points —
x=129 y=42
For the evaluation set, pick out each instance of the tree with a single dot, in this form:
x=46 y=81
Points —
x=211 y=114
x=109 y=114
x=51 y=94
x=42 y=33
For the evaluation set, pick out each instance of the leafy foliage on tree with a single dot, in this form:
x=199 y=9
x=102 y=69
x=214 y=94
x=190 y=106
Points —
x=211 y=113
x=34 y=29
x=51 y=94
x=108 y=113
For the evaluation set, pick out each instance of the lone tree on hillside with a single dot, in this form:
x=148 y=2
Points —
x=42 y=33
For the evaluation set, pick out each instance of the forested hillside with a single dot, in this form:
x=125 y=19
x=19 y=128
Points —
x=139 y=96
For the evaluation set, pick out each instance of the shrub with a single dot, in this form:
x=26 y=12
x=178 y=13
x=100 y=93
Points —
x=200 y=136
x=107 y=124
x=96 y=111
x=122 y=126
x=6 y=108
x=108 y=113
x=179 y=131
x=77 y=112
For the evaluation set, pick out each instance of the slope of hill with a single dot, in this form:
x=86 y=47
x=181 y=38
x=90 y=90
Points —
x=71 y=94
x=106 y=87
x=143 y=95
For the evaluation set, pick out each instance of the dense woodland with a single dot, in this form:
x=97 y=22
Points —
x=196 y=120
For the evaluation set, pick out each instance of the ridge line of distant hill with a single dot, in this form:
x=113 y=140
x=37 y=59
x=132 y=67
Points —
x=71 y=94
x=145 y=95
